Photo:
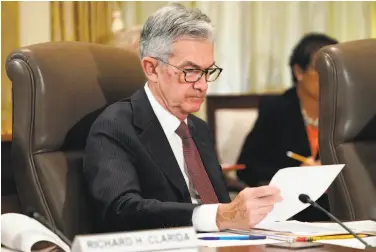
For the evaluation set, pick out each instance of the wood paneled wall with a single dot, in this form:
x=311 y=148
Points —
x=9 y=41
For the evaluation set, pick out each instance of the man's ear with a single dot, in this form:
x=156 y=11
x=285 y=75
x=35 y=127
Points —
x=149 y=66
x=298 y=72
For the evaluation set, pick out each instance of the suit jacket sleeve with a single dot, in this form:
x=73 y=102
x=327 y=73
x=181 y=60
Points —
x=260 y=152
x=110 y=171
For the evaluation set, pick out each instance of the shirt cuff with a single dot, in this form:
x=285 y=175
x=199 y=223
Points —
x=204 y=218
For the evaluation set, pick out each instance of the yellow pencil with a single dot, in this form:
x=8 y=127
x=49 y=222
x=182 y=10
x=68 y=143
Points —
x=334 y=237
x=297 y=157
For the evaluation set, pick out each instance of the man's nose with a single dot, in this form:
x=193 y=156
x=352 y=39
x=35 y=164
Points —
x=201 y=84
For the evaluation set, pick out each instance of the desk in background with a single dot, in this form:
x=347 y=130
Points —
x=6 y=136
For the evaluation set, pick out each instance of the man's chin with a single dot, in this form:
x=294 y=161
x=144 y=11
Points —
x=194 y=106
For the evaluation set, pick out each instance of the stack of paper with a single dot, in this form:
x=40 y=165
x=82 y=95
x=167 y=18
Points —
x=365 y=226
x=292 y=231
x=302 y=228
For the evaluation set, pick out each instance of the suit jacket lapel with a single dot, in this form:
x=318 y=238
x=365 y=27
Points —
x=155 y=141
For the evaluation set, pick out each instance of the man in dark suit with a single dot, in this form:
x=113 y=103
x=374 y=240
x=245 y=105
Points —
x=148 y=162
x=288 y=122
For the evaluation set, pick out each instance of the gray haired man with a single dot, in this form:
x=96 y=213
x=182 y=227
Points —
x=149 y=162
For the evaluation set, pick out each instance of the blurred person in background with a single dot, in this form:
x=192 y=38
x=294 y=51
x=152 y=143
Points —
x=288 y=122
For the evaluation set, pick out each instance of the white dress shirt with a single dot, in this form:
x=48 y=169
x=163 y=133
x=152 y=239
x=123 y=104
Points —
x=204 y=216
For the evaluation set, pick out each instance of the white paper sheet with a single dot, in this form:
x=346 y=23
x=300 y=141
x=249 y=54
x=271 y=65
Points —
x=4 y=249
x=310 y=180
x=356 y=226
x=214 y=244
x=318 y=228
x=302 y=228
x=352 y=243
x=21 y=233
x=275 y=229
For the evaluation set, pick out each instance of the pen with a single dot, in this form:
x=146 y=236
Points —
x=329 y=237
x=297 y=157
x=272 y=236
x=228 y=238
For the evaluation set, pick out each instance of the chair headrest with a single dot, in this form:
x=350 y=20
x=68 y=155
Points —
x=60 y=86
x=347 y=78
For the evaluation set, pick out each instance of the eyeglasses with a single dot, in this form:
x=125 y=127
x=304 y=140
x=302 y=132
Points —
x=193 y=75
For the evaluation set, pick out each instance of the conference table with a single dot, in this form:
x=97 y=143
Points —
x=263 y=248
x=258 y=248
x=325 y=248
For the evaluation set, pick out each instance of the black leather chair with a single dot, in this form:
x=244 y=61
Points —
x=9 y=195
x=347 y=75
x=58 y=90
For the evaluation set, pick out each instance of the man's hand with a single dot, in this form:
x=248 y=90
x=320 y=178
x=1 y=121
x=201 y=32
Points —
x=311 y=162
x=249 y=207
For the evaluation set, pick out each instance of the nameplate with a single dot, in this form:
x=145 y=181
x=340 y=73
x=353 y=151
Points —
x=149 y=240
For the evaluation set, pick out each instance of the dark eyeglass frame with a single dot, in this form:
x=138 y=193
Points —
x=205 y=71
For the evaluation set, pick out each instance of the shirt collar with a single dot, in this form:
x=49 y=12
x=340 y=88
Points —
x=168 y=121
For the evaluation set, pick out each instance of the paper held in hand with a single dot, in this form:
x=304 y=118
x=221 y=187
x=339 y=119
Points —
x=293 y=181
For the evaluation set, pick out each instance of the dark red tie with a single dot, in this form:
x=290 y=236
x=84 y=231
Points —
x=196 y=170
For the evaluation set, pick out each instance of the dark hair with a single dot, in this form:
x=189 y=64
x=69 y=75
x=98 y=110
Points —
x=307 y=46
